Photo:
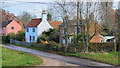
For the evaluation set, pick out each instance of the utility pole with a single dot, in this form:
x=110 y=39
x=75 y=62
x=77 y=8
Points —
x=77 y=20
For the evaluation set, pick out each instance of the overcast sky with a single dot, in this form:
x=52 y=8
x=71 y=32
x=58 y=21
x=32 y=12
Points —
x=16 y=7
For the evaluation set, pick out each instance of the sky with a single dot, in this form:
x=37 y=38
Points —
x=17 y=7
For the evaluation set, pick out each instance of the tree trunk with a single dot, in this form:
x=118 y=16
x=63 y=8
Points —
x=66 y=34
x=87 y=40
x=87 y=43
x=77 y=20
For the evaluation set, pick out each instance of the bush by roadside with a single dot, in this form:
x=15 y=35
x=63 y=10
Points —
x=94 y=47
x=50 y=46
x=6 y=39
x=20 y=36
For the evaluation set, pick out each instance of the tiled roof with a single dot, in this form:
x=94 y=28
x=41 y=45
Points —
x=34 y=23
x=4 y=24
x=97 y=38
x=55 y=24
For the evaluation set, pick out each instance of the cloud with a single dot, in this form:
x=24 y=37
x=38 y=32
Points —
x=19 y=7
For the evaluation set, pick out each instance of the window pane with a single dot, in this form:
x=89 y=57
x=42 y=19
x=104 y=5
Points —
x=30 y=38
x=27 y=30
x=12 y=28
x=33 y=38
x=33 y=29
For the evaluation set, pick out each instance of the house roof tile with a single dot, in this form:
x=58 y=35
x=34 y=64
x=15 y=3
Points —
x=55 y=24
x=5 y=23
x=34 y=23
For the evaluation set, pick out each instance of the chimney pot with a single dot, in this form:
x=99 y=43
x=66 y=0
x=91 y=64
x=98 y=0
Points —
x=44 y=17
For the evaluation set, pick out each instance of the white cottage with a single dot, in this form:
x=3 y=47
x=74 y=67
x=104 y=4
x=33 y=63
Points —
x=36 y=26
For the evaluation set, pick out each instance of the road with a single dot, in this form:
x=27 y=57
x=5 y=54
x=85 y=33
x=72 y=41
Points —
x=50 y=59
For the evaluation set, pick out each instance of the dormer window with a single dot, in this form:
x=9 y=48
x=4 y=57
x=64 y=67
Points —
x=12 y=28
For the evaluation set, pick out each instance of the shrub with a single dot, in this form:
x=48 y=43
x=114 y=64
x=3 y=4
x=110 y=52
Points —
x=3 y=39
x=51 y=35
x=20 y=36
x=80 y=39
x=54 y=36
x=41 y=38
x=12 y=35
x=6 y=39
x=51 y=45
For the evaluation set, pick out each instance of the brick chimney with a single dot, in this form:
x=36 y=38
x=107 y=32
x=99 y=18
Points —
x=44 y=16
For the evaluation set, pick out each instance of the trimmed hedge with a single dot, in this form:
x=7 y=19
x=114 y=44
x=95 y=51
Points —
x=102 y=47
x=76 y=47
x=95 y=47
x=51 y=46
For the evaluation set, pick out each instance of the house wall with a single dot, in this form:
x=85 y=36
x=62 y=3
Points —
x=31 y=33
x=71 y=30
x=43 y=26
x=16 y=26
x=4 y=31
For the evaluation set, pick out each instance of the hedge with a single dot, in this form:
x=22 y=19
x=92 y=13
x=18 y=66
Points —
x=102 y=47
x=51 y=46
x=118 y=46
x=76 y=47
x=93 y=47
x=6 y=39
x=118 y=49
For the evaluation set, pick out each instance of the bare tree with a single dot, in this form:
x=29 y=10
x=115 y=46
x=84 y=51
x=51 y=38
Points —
x=6 y=15
x=92 y=13
x=88 y=11
x=63 y=10
x=25 y=17
x=109 y=18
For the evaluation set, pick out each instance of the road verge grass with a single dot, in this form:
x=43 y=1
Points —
x=18 y=58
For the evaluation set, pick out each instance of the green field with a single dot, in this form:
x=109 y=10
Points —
x=18 y=58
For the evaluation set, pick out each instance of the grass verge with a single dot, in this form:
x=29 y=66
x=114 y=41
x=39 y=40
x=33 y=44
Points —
x=19 y=58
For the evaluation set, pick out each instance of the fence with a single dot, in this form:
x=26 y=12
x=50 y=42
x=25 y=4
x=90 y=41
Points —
x=19 y=42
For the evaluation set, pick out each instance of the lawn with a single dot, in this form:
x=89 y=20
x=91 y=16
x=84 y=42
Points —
x=18 y=58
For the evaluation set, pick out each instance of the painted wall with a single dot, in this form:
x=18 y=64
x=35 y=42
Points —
x=43 y=26
x=16 y=26
x=31 y=33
